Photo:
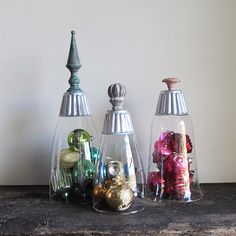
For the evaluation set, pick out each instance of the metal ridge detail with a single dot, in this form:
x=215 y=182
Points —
x=117 y=122
x=171 y=102
x=74 y=104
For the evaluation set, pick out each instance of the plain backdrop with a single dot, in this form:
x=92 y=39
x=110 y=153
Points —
x=135 y=42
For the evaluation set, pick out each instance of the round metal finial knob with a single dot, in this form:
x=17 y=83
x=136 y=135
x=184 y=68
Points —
x=170 y=82
x=117 y=93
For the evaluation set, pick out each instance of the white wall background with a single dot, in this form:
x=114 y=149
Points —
x=135 y=42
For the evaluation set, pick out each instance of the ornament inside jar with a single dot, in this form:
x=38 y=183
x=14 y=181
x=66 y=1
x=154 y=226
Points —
x=172 y=171
x=119 y=180
x=74 y=149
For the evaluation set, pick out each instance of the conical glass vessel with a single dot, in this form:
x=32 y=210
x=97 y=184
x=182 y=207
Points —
x=119 y=180
x=74 y=149
x=172 y=170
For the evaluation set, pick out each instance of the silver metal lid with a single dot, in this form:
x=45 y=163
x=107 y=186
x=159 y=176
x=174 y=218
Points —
x=117 y=120
x=171 y=102
x=74 y=104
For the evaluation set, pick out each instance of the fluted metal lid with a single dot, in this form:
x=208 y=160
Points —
x=117 y=120
x=74 y=104
x=171 y=101
x=74 y=101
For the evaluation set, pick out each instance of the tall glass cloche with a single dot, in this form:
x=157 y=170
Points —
x=172 y=170
x=120 y=180
x=74 y=149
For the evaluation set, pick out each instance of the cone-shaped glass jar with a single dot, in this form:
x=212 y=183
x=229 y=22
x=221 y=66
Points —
x=74 y=149
x=172 y=171
x=119 y=180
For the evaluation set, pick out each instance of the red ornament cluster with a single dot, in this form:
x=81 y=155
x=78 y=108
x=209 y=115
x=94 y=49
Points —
x=174 y=176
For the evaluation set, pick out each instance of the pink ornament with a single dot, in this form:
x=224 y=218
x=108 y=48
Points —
x=189 y=144
x=154 y=179
x=168 y=155
x=181 y=164
x=169 y=168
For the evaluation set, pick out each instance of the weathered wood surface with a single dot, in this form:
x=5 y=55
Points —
x=27 y=211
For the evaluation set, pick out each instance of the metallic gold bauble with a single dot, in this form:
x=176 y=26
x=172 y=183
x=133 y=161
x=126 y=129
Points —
x=111 y=182
x=68 y=158
x=99 y=192
x=108 y=183
x=119 y=197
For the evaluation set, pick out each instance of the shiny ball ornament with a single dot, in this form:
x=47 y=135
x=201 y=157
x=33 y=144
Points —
x=108 y=183
x=68 y=158
x=115 y=170
x=155 y=181
x=189 y=144
x=99 y=192
x=77 y=138
x=119 y=197
x=94 y=154
x=86 y=168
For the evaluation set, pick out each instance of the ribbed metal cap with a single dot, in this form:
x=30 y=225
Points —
x=74 y=104
x=171 y=102
x=117 y=120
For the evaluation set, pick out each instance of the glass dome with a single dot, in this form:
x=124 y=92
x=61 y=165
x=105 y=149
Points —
x=119 y=180
x=172 y=170
x=74 y=149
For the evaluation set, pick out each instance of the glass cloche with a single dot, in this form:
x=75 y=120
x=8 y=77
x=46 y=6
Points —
x=172 y=170
x=74 y=149
x=119 y=180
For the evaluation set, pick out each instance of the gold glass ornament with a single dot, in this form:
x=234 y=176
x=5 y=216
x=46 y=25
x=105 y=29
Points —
x=119 y=197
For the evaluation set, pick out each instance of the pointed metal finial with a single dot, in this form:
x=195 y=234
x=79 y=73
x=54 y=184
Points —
x=116 y=92
x=73 y=64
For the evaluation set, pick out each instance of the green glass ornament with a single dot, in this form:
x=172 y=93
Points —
x=79 y=140
x=83 y=174
x=94 y=154
x=87 y=168
x=84 y=170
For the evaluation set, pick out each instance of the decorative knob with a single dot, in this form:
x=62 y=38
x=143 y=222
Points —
x=73 y=65
x=170 y=82
x=117 y=93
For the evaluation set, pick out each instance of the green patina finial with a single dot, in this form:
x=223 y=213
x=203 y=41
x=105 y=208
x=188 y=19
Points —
x=73 y=64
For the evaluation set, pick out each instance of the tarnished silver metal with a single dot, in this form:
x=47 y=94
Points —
x=117 y=120
x=171 y=102
x=74 y=104
x=117 y=93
